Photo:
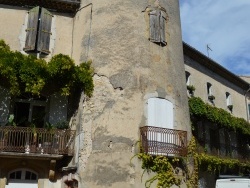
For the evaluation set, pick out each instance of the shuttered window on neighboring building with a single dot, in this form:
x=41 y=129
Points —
x=157 y=27
x=249 y=111
x=38 y=30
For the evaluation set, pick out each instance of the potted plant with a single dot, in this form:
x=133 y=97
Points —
x=211 y=97
x=190 y=89
x=230 y=107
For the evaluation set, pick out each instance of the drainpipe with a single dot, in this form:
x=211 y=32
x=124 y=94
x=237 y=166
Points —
x=247 y=103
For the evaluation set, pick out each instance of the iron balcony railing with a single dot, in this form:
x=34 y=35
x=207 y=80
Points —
x=162 y=141
x=36 y=140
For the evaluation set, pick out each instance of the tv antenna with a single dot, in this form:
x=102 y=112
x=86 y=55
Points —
x=208 y=48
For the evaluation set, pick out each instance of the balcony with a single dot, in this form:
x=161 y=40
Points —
x=38 y=141
x=162 y=141
x=67 y=6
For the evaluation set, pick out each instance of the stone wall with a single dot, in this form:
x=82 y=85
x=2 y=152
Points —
x=129 y=69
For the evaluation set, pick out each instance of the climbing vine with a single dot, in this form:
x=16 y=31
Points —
x=28 y=74
x=210 y=163
x=163 y=167
x=199 y=109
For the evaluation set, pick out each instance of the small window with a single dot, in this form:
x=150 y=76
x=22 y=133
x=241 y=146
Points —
x=188 y=75
x=209 y=89
x=228 y=99
x=16 y=175
x=30 y=176
x=23 y=174
x=249 y=110
x=38 y=30
x=210 y=92
x=157 y=27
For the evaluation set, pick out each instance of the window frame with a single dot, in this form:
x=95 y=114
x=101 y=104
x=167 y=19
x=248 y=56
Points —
x=188 y=78
x=38 y=31
x=157 y=26
x=32 y=103
x=23 y=176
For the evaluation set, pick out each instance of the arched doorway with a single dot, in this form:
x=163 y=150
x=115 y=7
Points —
x=20 y=178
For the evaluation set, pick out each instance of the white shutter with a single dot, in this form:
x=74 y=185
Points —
x=160 y=113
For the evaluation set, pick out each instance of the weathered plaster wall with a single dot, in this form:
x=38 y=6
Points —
x=129 y=69
x=200 y=75
x=11 y=19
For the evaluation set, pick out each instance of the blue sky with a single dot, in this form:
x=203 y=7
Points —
x=222 y=24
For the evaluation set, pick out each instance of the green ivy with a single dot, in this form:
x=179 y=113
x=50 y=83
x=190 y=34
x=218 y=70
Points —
x=216 y=115
x=163 y=168
x=27 y=74
x=210 y=163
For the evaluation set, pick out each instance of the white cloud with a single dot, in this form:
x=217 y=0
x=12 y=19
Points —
x=224 y=25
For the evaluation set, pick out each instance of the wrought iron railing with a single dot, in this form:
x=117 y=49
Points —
x=36 y=140
x=162 y=141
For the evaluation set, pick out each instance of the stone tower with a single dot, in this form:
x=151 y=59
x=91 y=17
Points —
x=136 y=49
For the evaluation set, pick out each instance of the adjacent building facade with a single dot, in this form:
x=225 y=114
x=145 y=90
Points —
x=140 y=93
x=228 y=94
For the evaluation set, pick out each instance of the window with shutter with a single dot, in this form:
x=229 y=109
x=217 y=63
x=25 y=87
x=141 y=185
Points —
x=44 y=31
x=31 y=30
x=157 y=27
x=38 y=30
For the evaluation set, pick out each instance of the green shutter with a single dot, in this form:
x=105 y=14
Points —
x=44 y=31
x=162 y=28
x=154 y=26
x=31 y=30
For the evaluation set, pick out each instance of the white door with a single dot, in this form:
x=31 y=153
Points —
x=22 y=178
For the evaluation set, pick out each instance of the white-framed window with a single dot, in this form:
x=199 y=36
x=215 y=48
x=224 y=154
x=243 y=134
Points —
x=188 y=78
x=157 y=21
x=209 y=89
x=210 y=95
x=228 y=99
x=248 y=110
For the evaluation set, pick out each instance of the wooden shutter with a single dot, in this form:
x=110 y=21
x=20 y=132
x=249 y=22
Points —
x=162 y=28
x=31 y=30
x=44 y=31
x=154 y=26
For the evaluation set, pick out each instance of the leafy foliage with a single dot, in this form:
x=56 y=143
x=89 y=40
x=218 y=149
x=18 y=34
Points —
x=199 y=109
x=162 y=166
x=27 y=74
x=211 y=163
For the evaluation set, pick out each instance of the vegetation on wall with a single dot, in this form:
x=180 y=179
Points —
x=28 y=74
x=211 y=163
x=163 y=166
x=199 y=109
x=163 y=169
